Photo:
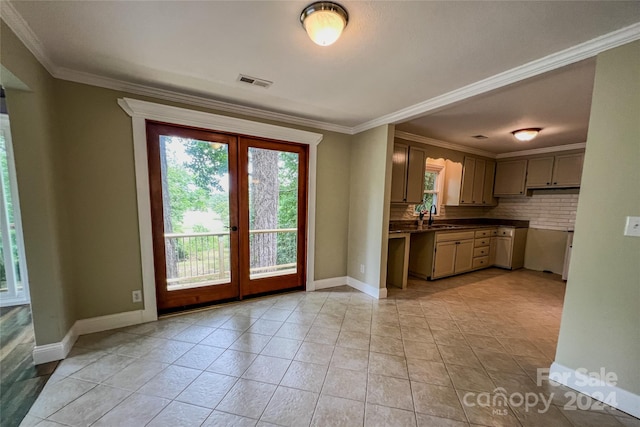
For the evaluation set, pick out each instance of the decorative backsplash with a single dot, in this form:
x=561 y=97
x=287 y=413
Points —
x=549 y=210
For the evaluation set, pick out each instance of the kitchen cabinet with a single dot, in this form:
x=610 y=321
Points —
x=453 y=254
x=482 y=249
x=476 y=183
x=557 y=171
x=487 y=191
x=510 y=178
x=407 y=174
x=540 y=172
x=567 y=170
x=509 y=247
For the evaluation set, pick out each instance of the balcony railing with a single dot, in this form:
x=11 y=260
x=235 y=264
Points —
x=202 y=259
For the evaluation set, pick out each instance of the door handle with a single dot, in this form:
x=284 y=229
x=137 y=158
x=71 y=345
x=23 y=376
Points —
x=232 y=228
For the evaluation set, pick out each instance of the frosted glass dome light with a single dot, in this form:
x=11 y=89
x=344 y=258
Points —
x=324 y=22
x=525 y=135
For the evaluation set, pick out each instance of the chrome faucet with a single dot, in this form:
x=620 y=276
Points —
x=433 y=210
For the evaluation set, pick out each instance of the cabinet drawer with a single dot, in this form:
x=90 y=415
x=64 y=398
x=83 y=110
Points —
x=494 y=232
x=447 y=237
x=506 y=232
x=482 y=242
x=479 y=252
x=483 y=233
x=481 y=262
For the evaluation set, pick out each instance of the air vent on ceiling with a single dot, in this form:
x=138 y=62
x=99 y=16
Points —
x=254 y=81
x=480 y=137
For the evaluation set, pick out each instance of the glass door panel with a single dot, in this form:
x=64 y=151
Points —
x=273 y=191
x=273 y=212
x=194 y=242
x=195 y=193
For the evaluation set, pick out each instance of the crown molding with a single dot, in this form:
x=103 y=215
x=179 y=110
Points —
x=19 y=26
x=551 y=62
x=195 y=100
x=443 y=144
x=544 y=150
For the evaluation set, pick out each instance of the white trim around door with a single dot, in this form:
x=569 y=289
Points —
x=140 y=111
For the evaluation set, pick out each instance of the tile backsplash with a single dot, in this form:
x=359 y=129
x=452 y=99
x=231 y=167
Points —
x=545 y=209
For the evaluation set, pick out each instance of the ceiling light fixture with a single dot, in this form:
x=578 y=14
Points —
x=526 y=134
x=324 y=21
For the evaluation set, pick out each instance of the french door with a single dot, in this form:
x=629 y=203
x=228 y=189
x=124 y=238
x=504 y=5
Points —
x=228 y=215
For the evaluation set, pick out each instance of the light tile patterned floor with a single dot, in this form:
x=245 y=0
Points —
x=329 y=358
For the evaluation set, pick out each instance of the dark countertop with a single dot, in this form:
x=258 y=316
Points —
x=462 y=224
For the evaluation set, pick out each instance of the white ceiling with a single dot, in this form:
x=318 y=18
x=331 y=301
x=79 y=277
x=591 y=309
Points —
x=392 y=55
x=559 y=102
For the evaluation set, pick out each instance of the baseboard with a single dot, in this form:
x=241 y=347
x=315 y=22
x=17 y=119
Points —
x=59 y=350
x=55 y=351
x=625 y=401
x=331 y=282
x=374 y=291
x=110 y=321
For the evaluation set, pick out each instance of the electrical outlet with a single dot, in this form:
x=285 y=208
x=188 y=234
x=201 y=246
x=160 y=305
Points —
x=136 y=296
x=362 y=268
x=633 y=226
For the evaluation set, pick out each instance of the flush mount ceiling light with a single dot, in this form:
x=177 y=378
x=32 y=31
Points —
x=324 y=22
x=526 y=134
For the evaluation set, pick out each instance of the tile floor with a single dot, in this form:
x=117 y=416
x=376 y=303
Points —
x=329 y=358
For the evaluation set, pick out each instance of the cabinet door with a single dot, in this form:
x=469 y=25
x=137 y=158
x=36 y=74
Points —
x=444 y=259
x=399 y=173
x=464 y=256
x=567 y=171
x=492 y=251
x=539 y=172
x=487 y=190
x=468 y=176
x=503 y=252
x=478 y=182
x=510 y=178
x=415 y=175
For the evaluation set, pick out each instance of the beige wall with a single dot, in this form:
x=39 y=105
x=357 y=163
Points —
x=38 y=158
x=370 y=157
x=600 y=319
x=545 y=250
x=332 y=206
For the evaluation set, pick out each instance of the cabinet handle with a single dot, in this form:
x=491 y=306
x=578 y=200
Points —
x=548 y=183
x=555 y=183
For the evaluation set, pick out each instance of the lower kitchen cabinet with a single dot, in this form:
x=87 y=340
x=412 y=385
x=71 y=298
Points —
x=510 y=247
x=442 y=254
x=453 y=254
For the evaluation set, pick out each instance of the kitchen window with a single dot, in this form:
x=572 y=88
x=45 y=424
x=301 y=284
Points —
x=433 y=181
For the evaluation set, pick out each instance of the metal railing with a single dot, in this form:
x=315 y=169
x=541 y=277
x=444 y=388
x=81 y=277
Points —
x=198 y=259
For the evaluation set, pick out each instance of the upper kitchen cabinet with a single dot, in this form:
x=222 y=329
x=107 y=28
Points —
x=567 y=170
x=407 y=174
x=476 y=187
x=510 y=178
x=555 y=171
x=540 y=172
